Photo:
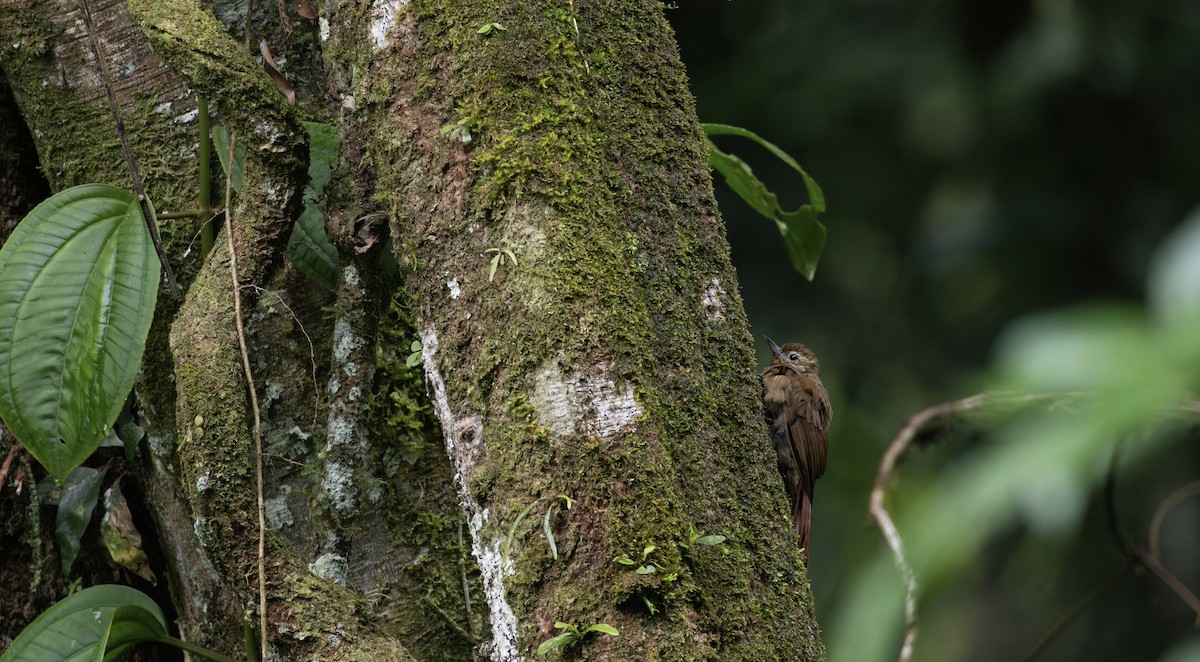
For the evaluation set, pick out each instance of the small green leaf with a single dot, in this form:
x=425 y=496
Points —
x=570 y=502
x=561 y=625
x=513 y=529
x=647 y=550
x=649 y=605
x=556 y=642
x=605 y=628
x=492 y=269
x=78 y=285
x=549 y=534
x=625 y=560
x=413 y=360
x=647 y=569
x=487 y=28
x=415 y=346
x=709 y=541
x=80 y=491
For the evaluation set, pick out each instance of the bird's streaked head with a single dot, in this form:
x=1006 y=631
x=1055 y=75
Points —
x=794 y=355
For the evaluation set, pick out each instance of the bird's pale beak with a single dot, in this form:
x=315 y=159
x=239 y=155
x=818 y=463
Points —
x=774 y=348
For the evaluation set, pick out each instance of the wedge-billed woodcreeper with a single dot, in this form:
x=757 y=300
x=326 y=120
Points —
x=798 y=413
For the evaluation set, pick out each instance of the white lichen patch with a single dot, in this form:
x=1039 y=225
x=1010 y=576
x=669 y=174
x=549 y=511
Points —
x=323 y=27
x=383 y=17
x=277 y=511
x=455 y=289
x=350 y=275
x=272 y=391
x=713 y=301
x=463 y=432
x=340 y=431
x=504 y=622
x=203 y=531
x=588 y=403
x=330 y=566
x=203 y=482
x=338 y=485
x=345 y=341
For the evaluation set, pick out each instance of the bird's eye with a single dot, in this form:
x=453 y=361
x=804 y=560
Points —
x=793 y=356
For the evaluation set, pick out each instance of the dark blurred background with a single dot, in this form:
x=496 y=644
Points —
x=982 y=160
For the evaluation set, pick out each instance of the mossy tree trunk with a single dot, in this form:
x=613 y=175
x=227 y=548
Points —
x=591 y=401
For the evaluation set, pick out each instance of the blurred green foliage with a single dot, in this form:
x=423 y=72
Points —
x=1000 y=175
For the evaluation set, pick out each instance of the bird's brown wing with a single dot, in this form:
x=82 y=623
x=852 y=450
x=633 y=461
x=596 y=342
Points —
x=808 y=427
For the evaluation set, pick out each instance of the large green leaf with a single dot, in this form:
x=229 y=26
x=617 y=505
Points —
x=96 y=624
x=308 y=247
x=802 y=230
x=78 y=284
x=87 y=625
x=79 y=495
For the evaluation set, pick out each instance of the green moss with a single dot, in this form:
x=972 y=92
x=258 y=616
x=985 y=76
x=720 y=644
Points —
x=587 y=162
x=429 y=612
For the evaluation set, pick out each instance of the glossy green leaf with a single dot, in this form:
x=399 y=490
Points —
x=802 y=230
x=556 y=642
x=603 y=627
x=322 y=154
x=308 y=247
x=78 y=284
x=80 y=491
x=94 y=624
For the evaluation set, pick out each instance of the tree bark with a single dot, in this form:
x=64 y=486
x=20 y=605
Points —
x=591 y=402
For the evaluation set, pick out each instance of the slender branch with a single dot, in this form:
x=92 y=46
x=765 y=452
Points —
x=1160 y=513
x=1110 y=504
x=450 y=621
x=1154 y=565
x=138 y=189
x=892 y=459
x=1078 y=610
x=258 y=448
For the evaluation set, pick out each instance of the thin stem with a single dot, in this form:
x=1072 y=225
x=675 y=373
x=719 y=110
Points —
x=1160 y=513
x=198 y=650
x=205 y=176
x=883 y=519
x=1078 y=610
x=258 y=448
x=138 y=189
x=892 y=459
